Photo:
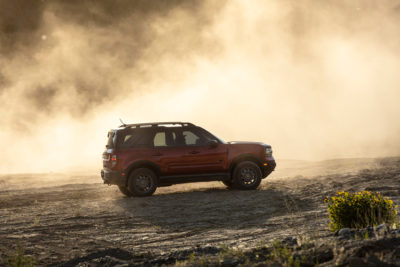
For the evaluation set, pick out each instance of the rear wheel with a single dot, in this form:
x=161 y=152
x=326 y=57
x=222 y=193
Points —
x=247 y=175
x=142 y=182
x=124 y=190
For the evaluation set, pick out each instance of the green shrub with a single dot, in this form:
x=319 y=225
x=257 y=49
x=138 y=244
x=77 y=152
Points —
x=359 y=210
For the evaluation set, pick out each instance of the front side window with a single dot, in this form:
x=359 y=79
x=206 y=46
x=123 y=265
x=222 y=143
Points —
x=191 y=137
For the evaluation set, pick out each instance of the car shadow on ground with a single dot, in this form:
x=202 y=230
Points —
x=210 y=208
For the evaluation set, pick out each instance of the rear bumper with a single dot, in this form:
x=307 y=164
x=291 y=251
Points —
x=113 y=177
x=268 y=167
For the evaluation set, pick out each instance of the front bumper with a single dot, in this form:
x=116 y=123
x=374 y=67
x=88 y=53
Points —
x=268 y=167
x=113 y=177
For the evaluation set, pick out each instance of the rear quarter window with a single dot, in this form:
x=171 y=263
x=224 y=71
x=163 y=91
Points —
x=131 y=138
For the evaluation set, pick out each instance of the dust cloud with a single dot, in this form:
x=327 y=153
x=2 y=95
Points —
x=315 y=79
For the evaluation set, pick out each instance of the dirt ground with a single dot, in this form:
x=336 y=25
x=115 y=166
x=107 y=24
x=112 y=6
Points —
x=59 y=217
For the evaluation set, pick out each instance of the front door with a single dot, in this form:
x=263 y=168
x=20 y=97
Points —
x=191 y=153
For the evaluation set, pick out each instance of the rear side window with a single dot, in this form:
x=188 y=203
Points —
x=164 y=138
x=159 y=139
x=130 y=138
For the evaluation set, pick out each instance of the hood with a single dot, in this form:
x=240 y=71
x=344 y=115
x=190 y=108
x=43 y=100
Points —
x=247 y=143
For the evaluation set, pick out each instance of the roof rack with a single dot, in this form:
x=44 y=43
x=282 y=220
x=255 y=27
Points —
x=155 y=124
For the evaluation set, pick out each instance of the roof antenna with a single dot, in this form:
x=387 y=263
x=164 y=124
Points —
x=123 y=124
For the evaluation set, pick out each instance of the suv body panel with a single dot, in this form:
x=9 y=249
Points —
x=179 y=163
x=192 y=160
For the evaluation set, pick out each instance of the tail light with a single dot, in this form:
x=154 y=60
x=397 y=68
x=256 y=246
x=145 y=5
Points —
x=268 y=151
x=113 y=160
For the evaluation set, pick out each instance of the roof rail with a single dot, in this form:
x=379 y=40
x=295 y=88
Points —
x=155 y=124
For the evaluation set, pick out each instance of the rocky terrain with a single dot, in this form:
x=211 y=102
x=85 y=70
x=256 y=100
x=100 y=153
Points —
x=75 y=220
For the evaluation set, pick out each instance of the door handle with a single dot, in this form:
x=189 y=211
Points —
x=194 y=152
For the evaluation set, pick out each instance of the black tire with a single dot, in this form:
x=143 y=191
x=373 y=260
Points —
x=124 y=190
x=142 y=182
x=247 y=175
x=229 y=184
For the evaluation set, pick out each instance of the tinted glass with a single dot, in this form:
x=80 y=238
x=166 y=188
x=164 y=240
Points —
x=164 y=138
x=194 y=137
x=159 y=139
x=190 y=138
x=140 y=137
x=110 y=140
x=208 y=135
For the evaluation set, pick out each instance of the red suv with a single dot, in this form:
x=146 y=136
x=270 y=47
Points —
x=140 y=157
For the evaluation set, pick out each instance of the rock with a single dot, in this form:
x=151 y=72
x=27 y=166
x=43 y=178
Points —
x=345 y=233
x=382 y=229
x=229 y=262
x=396 y=231
x=382 y=226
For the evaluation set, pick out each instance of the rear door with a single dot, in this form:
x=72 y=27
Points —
x=136 y=145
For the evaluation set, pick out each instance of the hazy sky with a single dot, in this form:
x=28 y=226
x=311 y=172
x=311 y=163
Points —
x=315 y=79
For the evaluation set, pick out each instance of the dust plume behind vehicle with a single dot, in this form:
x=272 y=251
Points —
x=318 y=80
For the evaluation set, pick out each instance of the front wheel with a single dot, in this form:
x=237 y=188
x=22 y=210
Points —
x=142 y=182
x=247 y=175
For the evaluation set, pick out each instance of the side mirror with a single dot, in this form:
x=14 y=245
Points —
x=212 y=143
